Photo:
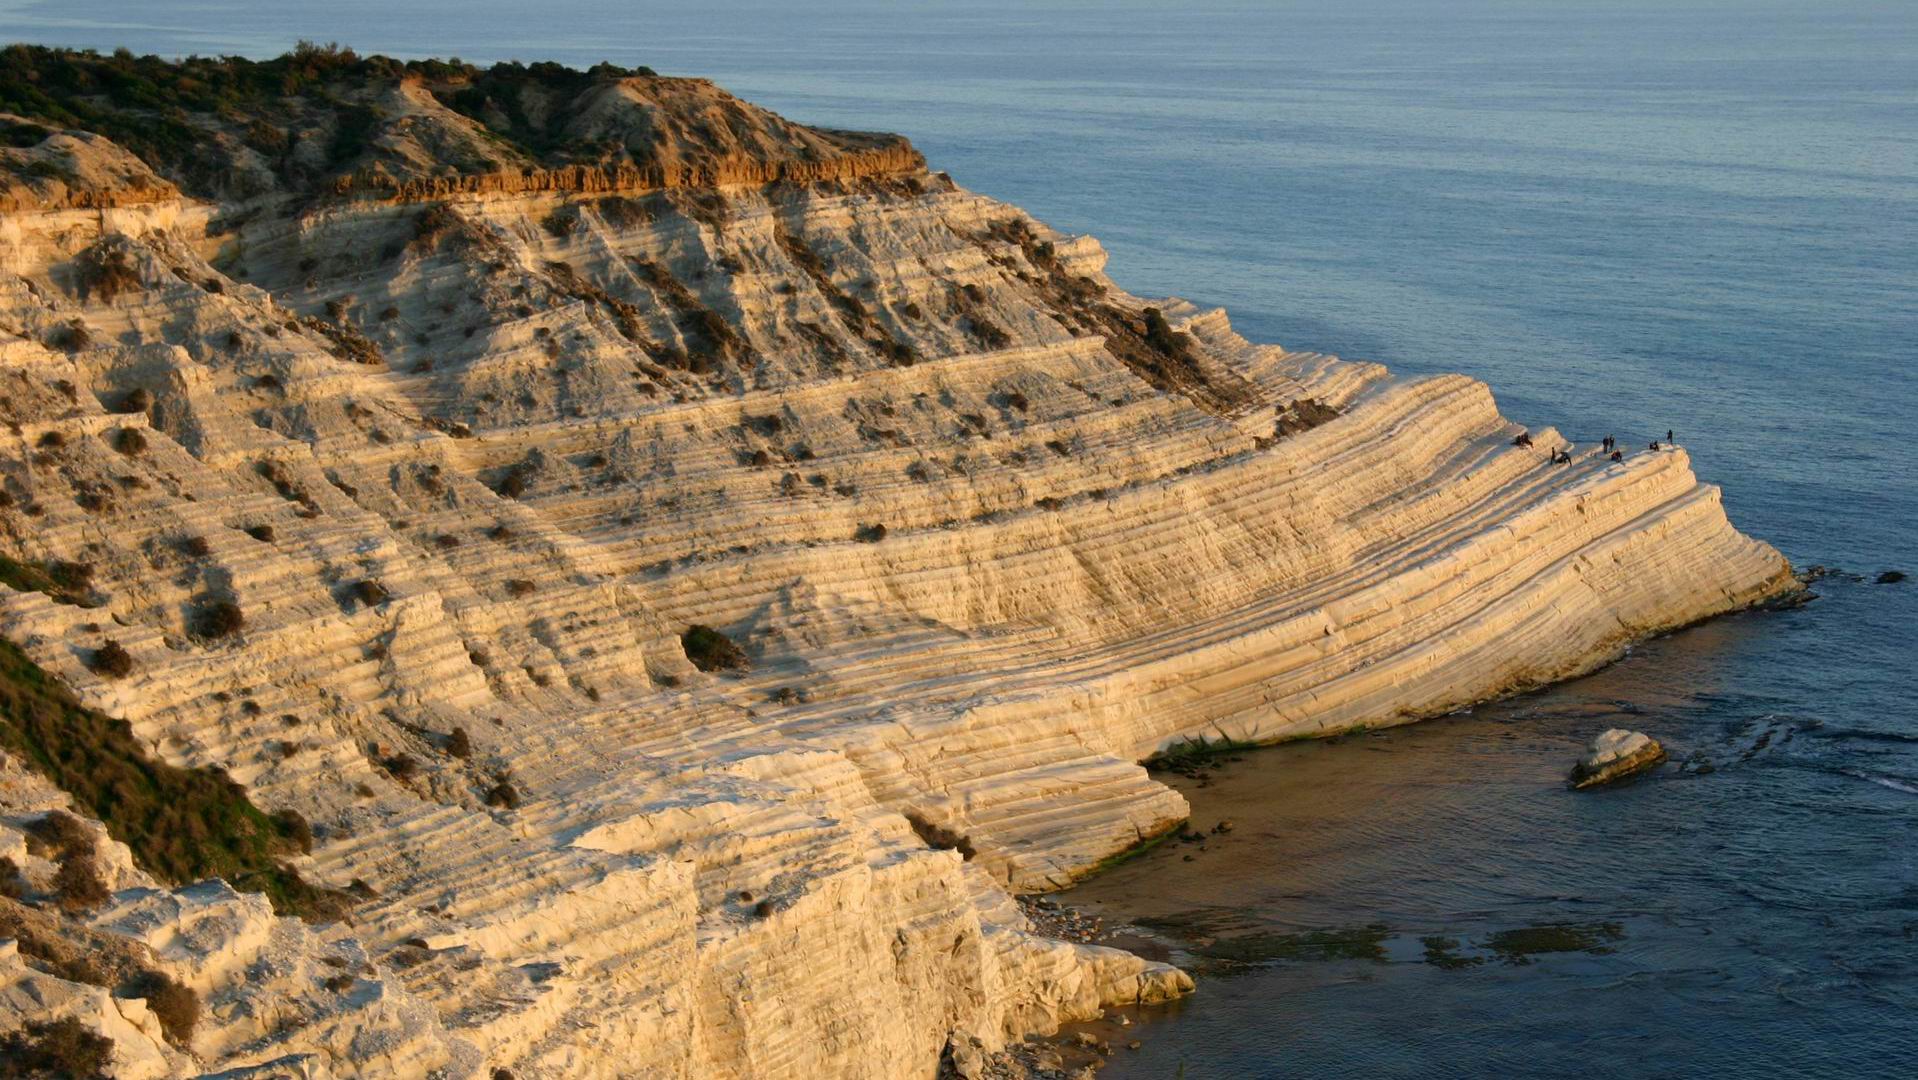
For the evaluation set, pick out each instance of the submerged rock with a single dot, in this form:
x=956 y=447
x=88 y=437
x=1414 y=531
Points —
x=1614 y=755
x=1891 y=577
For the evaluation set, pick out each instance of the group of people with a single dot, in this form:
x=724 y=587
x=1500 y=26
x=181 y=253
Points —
x=1608 y=447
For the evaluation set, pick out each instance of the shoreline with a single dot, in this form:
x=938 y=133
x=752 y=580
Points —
x=1113 y=1037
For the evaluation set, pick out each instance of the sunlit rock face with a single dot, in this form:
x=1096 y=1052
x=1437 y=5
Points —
x=472 y=432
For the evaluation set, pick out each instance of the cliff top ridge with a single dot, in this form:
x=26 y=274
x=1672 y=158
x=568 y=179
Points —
x=324 y=120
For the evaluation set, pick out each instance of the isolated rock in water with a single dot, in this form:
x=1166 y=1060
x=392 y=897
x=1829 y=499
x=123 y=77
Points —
x=1891 y=577
x=1615 y=755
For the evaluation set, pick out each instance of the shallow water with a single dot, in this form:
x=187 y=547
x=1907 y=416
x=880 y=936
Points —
x=1625 y=217
x=1432 y=899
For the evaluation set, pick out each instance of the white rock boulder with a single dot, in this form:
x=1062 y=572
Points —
x=1614 y=755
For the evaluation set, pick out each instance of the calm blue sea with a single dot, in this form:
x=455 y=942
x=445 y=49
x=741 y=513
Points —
x=1624 y=216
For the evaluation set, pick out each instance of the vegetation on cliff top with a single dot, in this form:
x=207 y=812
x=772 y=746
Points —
x=307 y=114
x=182 y=825
x=325 y=118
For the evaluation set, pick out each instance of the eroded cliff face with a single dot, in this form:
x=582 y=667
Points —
x=403 y=490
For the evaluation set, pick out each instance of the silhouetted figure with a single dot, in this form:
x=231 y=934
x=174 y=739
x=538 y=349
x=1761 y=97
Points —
x=1670 y=438
x=1654 y=444
x=1618 y=455
x=1524 y=439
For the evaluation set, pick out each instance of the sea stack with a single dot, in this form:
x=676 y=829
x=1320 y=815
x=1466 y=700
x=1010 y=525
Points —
x=649 y=581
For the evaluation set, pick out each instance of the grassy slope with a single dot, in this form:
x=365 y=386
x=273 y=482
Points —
x=183 y=825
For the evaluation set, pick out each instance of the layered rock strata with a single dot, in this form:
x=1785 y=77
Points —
x=468 y=450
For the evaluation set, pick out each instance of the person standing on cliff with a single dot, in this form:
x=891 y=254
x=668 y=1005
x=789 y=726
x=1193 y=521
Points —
x=1670 y=439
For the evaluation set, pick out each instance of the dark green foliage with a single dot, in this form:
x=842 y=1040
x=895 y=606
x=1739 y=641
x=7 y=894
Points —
x=215 y=618
x=940 y=837
x=77 y=883
x=58 y=834
x=370 y=592
x=112 y=661
x=20 y=136
x=291 y=824
x=514 y=482
x=506 y=98
x=710 y=650
x=1160 y=335
x=105 y=273
x=433 y=221
x=66 y=582
x=174 y=1004
x=130 y=442
x=459 y=744
x=315 y=95
x=503 y=795
x=183 y=825
x=63 y=1048
x=72 y=336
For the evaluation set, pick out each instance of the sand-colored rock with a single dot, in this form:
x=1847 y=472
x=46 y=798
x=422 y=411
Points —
x=559 y=426
x=1615 y=754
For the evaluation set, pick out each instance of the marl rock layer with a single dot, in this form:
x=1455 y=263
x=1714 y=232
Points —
x=467 y=447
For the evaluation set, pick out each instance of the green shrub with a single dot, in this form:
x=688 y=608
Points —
x=710 y=650
x=71 y=336
x=55 y=1048
x=215 y=618
x=503 y=795
x=112 y=661
x=174 y=1004
x=182 y=825
x=370 y=592
x=105 y=274
x=77 y=883
x=58 y=834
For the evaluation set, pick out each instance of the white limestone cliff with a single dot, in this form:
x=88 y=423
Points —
x=988 y=538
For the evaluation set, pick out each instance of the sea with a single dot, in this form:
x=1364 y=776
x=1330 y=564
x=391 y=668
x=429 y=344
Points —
x=1627 y=217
